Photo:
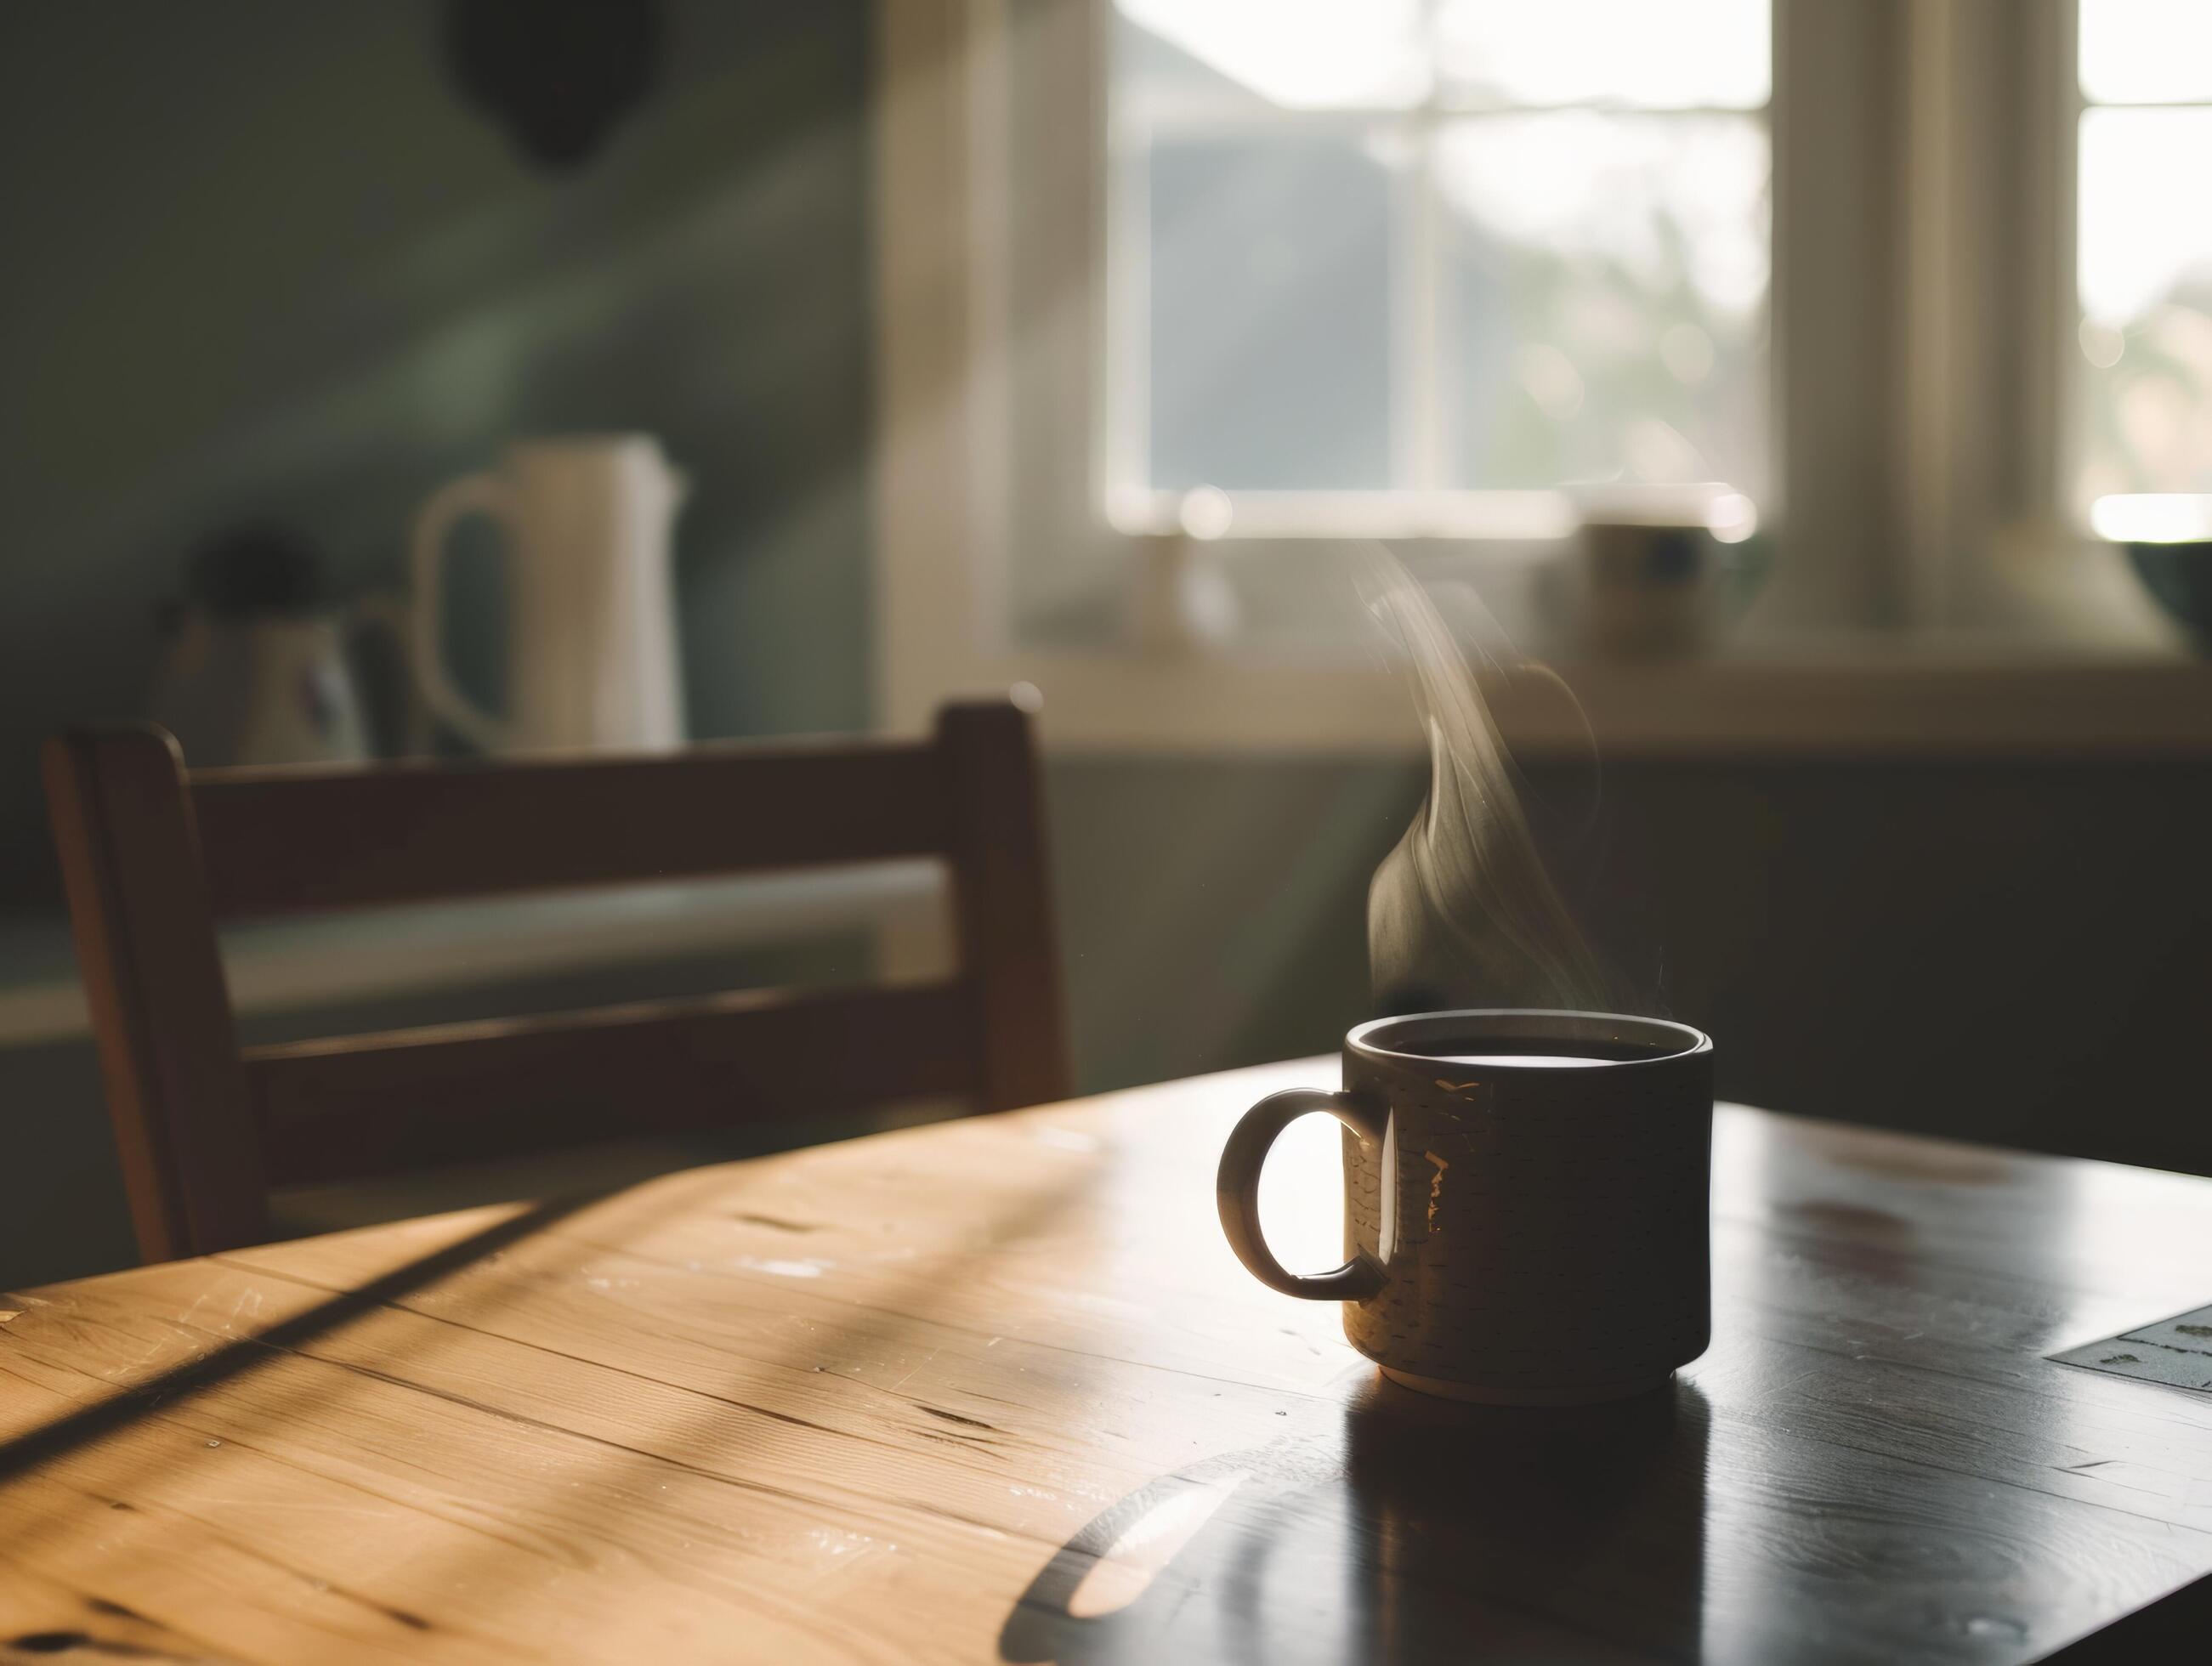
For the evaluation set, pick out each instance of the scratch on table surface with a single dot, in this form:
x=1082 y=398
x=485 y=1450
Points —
x=1436 y=1186
x=155 y=1348
x=902 y=1383
x=1457 y=1087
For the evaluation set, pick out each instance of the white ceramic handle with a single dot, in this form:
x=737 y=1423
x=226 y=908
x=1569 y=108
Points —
x=473 y=494
x=1236 y=1192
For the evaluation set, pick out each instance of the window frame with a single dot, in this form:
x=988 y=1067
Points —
x=1897 y=458
x=1985 y=375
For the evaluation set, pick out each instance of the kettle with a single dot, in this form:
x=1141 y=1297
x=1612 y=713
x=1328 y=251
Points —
x=253 y=666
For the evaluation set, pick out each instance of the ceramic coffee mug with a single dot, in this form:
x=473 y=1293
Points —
x=1525 y=1202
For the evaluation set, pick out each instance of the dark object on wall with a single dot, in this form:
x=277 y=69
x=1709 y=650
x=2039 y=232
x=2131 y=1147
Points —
x=558 y=73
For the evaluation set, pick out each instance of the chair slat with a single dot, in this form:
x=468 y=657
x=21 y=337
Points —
x=299 y=840
x=353 y=1105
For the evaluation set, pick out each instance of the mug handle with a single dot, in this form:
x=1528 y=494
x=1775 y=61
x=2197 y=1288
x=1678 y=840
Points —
x=473 y=494
x=1237 y=1189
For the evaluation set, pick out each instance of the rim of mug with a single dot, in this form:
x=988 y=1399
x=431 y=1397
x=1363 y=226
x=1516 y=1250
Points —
x=1363 y=1037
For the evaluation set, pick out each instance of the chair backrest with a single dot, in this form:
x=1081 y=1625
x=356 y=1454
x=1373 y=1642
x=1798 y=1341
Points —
x=154 y=855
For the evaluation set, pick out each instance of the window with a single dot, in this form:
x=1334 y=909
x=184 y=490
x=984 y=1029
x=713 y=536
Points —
x=1364 y=254
x=1307 y=270
x=2143 y=259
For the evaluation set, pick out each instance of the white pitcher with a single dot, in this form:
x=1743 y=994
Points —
x=592 y=656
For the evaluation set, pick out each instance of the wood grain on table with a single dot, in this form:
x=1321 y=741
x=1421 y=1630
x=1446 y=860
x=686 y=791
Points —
x=994 y=1389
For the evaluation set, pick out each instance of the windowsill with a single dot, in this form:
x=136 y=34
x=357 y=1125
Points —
x=1855 y=694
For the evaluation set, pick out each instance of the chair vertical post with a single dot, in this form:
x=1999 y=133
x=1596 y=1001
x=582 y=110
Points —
x=1001 y=906
x=146 y=948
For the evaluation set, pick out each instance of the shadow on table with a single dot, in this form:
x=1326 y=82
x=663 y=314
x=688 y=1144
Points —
x=1399 y=1527
x=73 y=1429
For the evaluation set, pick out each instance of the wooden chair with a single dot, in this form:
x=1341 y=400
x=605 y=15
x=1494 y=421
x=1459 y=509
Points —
x=154 y=855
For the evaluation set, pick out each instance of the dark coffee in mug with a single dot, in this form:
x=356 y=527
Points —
x=1544 y=1061
x=1525 y=1201
x=1512 y=1050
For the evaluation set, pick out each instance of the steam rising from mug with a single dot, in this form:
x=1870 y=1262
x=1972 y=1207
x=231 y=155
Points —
x=1462 y=912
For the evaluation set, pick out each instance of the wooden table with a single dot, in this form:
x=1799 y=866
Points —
x=995 y=1389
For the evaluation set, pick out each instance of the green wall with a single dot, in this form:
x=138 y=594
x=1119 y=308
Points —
x=261 y=261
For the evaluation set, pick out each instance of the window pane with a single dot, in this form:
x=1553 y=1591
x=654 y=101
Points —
x=2145 y=274
x=1269 y=357
x=2146 y=52
x=1633 y=54
x=1302 y=54
x=1605 y=299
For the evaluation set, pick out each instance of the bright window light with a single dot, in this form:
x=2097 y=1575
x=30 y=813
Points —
x=1432 y=249
x=2143 y=415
